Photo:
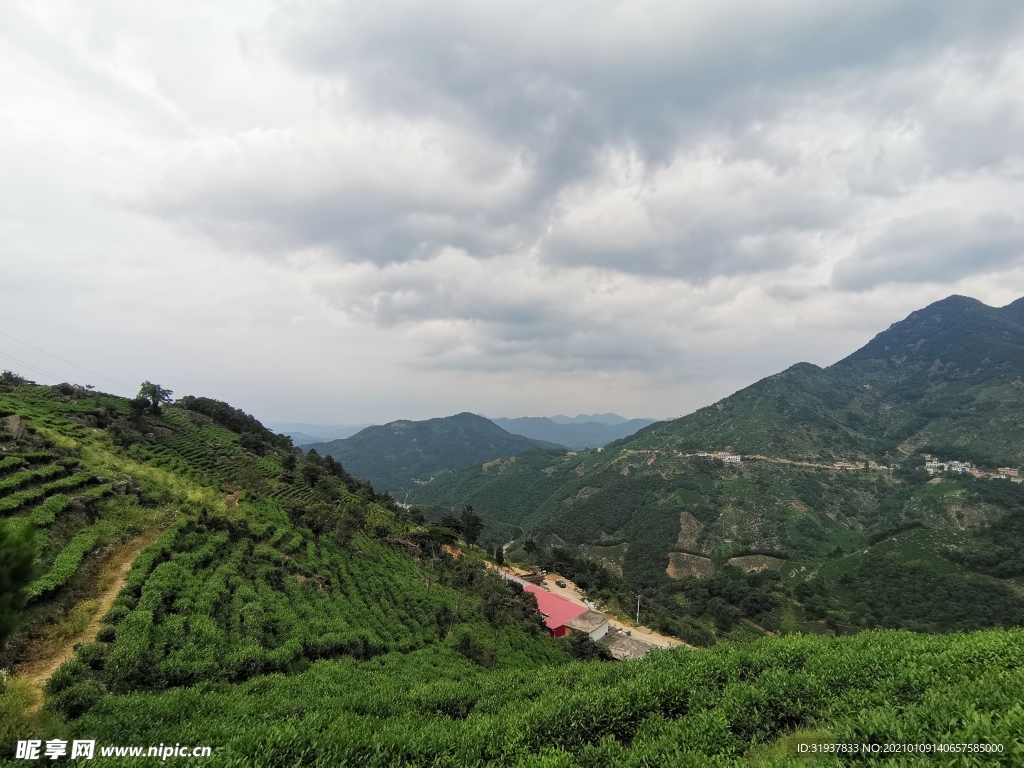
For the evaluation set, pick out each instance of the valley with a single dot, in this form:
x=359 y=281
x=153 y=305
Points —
x=812 y=560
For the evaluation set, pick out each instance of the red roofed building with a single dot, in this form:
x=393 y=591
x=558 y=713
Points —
x=557 y=610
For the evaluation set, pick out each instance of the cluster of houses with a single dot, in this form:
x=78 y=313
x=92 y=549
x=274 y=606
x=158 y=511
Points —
x=728 y=458
x=935 y=467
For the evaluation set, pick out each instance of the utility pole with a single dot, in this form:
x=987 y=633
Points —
x=638 y=610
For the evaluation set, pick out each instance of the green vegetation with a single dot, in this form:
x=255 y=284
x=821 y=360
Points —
x=16 y=552
x=948 y=380
x=47 y=512
x=64 y=565
x=302 y=563
x=681 y=708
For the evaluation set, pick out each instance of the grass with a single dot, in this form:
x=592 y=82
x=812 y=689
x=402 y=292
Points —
x=68 y=628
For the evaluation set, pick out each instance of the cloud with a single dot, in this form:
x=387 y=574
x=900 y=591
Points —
x=665 y=140
x=941 y=246
x=552 y=200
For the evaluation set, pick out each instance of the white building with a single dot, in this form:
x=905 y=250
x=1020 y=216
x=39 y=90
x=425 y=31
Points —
x=592 y=623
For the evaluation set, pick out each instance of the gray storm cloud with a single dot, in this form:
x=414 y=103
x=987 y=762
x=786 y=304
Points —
x=661 y=139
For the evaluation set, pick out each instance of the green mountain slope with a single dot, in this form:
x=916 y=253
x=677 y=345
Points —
x=398 y=456
x=264 y=561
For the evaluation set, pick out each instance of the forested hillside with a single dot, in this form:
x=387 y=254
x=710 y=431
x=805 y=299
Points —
x=283 y=612
x=399 y=456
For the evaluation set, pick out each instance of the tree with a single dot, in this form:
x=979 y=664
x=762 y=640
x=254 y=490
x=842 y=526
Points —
x=310 y=472
x=249 y=477
x=288 y=464
x=452 y=523
x=583 y=648
x=11 y=379
x=499 y=555
x=156 y=395
x=472 y=525
x=16 y=554
x=137 y=407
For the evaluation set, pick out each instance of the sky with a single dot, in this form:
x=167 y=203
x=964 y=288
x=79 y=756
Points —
x=349 y=212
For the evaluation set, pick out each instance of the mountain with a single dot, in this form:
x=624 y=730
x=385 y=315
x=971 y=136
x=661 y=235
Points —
x=572 y=434
x=858 y=540
x=398 y=456
x=948 y=377
x=611 y=419
x=301 y=438
x=302 y=434
x=186 y=565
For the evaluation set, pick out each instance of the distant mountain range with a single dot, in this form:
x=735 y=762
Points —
x=398 y=456
x=611 y=419
x=302 y=434
x=578 y=433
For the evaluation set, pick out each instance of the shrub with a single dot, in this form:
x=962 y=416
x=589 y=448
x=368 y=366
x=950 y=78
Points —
x=78 y=699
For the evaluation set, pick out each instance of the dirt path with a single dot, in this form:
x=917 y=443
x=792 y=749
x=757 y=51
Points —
x=758 y=627
x=113 y=575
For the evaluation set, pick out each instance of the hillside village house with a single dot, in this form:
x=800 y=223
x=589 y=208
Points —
x=562 y=615
x=557 y=611
x=592 y=623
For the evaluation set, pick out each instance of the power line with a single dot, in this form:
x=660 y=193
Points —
x=33 y=368
x=76 y=365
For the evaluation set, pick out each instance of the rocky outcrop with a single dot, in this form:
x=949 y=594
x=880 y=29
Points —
x=16 y=425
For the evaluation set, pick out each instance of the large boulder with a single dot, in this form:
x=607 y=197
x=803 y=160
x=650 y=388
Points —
x=16 y=425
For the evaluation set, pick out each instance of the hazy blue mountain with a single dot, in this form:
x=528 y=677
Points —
x=575 y=435
x=301 y=438
x=396 y=456
x=302 y=434
x=601 y=418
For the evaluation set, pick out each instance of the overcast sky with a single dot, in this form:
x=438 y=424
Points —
x=362 y=211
